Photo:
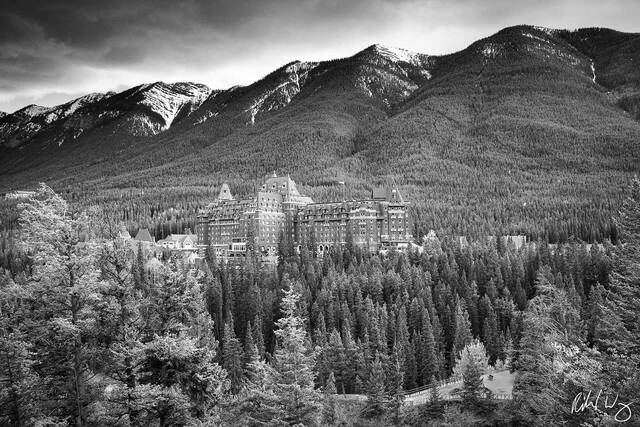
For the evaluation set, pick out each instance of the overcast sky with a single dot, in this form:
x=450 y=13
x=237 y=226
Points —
x=55 y=50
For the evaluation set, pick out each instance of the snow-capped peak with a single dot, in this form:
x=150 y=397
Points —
x=397 y=54
x=65 y=110
x=31 y=110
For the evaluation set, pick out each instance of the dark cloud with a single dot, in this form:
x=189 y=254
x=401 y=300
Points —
x=75 y=46
x=123 y=55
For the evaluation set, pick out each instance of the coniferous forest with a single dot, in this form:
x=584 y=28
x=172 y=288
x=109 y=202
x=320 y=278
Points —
x=516 y=303
x=95 y=331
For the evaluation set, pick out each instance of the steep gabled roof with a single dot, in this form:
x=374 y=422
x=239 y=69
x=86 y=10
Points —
x=225 y=192
x=144 y=236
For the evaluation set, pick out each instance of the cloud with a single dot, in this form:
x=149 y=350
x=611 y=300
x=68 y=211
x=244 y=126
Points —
x=80 y=46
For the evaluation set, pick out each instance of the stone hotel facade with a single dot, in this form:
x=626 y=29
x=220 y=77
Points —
x=278 y=209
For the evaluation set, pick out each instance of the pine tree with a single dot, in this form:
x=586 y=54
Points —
x=177 y=370
x=438 y=336
x=509 y=350
x=473 y=352
x=377 y=398
x=396 y=393
x=120 y=333
x=472 y=387
x=250 y=349
x=429 y=361
x=617 y=329
x=258 y=337
x=257 y=403
x=65 y=282
x=293 y=366
x=140 y=273
x=434 y=394
x=334 y=353
x=19 y=394
x=329 y=414
x=491 y=337
x=232 y=358
x=462 y=335
x=549 y=367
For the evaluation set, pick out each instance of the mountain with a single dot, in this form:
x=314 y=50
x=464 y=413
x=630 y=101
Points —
x=614 y=62
x=23 y=125
x=527 y=130
x=141 y=111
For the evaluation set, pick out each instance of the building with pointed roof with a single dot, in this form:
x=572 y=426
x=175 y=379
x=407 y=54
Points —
x=225 y=192
x=228 y=226
x=185 y=242
x=144 y=236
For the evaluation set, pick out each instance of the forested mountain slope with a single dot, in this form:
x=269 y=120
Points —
x=530 y=130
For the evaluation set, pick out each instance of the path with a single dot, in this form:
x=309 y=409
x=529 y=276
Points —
x=501 y=386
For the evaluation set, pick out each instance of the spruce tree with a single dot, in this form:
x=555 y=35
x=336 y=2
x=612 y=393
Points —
x=178 y=358
x=473 y=352
x=429 y=361
x=329 y=414
x=121 y=334
x=617 y=318
x=293 y=364
x=377 y=398
x=257 y=335
x=549 y=367
x=396 y=393
x=462 y=331
x=65 y=281
x=20 y=391
x=232 y=358
x=472 y=387
x=434 y=394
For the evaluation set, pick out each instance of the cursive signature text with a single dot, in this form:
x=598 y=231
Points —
x=584 y=401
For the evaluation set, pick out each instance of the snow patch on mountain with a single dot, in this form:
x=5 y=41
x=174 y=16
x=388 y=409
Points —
x=593 y=72
x=288 y=86
x=206 y=116
x=491 y=50
x=31 y=111
x=549 y=31
x=168 y=100
x=397 y=54
x=65 y=110
x=534 y=37
x=386 y=85
x=548 y=50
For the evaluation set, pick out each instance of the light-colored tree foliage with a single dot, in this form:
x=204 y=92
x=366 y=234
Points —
x=475 y=352
x=553 y=361
x=93 y=345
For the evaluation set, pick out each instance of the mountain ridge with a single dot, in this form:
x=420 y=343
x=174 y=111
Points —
x=526 y=116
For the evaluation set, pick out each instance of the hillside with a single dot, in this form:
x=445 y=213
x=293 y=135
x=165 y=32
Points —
x=530 y=130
